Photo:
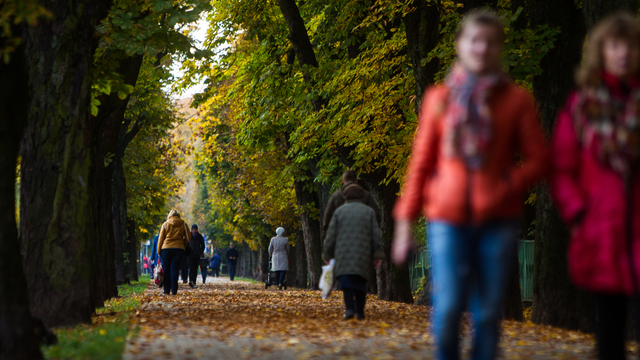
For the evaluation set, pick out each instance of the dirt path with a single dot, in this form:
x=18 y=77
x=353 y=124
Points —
x=239 y=320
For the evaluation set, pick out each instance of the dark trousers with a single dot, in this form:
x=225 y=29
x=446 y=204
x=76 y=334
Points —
x=354 y=300
x=203 y=271
x=280 y=276
x=184 y=269
x=215 y=271
x=611 y=320
x=171 y=259
x=232 y=269
x=193 y=269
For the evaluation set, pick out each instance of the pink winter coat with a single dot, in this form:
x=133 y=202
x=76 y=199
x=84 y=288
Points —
x=598 y=255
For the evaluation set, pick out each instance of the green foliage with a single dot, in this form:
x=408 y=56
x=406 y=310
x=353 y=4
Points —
x=259 y=129
x=153 y=156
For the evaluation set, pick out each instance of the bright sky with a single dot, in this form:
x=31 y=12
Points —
x=199 y=35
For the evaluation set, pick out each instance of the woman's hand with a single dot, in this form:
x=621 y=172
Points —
x=403 y=244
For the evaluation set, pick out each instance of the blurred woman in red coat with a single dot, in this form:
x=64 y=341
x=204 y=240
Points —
x=595 y=183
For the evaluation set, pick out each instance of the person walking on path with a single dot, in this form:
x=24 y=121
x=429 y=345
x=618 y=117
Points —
x=463 y=175
x=232 y=260
x=349 y=179
x=172 y=241
x=353 y=240
x=595 y=183
x=145 y=264
x=197 y=244
x=155 y=258
x=214 y=264
x=279 y=252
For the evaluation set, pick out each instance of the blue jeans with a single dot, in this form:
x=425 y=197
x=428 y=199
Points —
x=171 y=259
x=281 y=275
x=474 y=262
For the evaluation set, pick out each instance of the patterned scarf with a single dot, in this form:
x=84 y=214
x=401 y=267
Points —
x=609 y=125
x=468 y=120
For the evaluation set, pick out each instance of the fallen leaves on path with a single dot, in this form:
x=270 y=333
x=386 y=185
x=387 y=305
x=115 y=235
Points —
x=301 y=319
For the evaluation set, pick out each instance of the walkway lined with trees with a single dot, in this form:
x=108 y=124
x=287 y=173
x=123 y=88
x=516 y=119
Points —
x=231 y=320
x=295 y=92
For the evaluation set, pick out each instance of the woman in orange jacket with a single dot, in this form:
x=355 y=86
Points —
x=464 y=177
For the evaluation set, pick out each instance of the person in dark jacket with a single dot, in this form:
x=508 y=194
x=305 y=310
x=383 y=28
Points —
x=197 y=244
x=214 y=264
x=353 y=240
x=155 y=259
x=232 y=259
x=349 y=179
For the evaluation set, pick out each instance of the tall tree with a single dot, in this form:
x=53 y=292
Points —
x=58 y=192
x=17 y=338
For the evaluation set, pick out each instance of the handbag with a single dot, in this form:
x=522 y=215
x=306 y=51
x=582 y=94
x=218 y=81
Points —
x=159 y=275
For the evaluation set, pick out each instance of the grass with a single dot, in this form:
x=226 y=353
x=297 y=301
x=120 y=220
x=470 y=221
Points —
x=253 y=281
x=106 y=336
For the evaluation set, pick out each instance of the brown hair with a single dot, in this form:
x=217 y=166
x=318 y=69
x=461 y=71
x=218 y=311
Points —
x=481 y=17
x=349 y=176
x=621 y=25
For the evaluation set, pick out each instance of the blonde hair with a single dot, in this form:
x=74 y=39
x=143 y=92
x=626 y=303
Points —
x=173 y=212
x=481 y=17
x=621 y=25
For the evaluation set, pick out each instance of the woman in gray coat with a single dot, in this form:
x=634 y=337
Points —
x=279 y=250
x=353 y=240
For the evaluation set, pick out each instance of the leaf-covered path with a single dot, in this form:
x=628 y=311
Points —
x=231 y=320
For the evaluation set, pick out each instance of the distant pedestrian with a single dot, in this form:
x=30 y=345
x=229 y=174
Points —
x=172 y=241
x=197 y=244
x=184 y=269
x=155 y=258
x=232 y=260
x=279 y=252
x=214 y=264
x=463 y=176
x=145 y=264
x=349 y=179
x=353 y=240
x=595 y=180
x=204 y=264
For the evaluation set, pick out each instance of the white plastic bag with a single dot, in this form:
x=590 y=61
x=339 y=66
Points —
x=326 y=280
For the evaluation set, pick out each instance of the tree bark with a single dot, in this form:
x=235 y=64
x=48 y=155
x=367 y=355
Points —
x=301 y=262
x=422 y=27
x=596 y=10
x=17 y=338
x=393 y=282
x=57 y=196
x=133 y=249
x=555 y=300
x=110 y=143
x=311 y=229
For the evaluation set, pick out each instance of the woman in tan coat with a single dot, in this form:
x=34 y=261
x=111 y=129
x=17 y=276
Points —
x=173 y=240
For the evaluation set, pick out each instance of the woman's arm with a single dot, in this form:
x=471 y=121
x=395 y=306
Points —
x=161 y=238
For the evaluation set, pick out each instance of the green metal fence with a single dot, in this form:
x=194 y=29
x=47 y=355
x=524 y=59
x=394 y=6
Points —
x=421 y=264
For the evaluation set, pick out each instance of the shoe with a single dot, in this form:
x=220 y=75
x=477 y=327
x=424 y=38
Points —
x=192 y=284
x=348 y=315
x=280 y=287
x=360 y=316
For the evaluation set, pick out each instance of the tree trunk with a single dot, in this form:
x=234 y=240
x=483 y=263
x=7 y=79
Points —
x=264 y=263
x=110 y=143
x=393 y=282
x=292 y=273
x=512 y=306
x=311 y=230
x=555 y=300
x=133 y=250
x=301 y=261
x=17 y=338
x=57 y=195
x=119 y=225
x=596 y=10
